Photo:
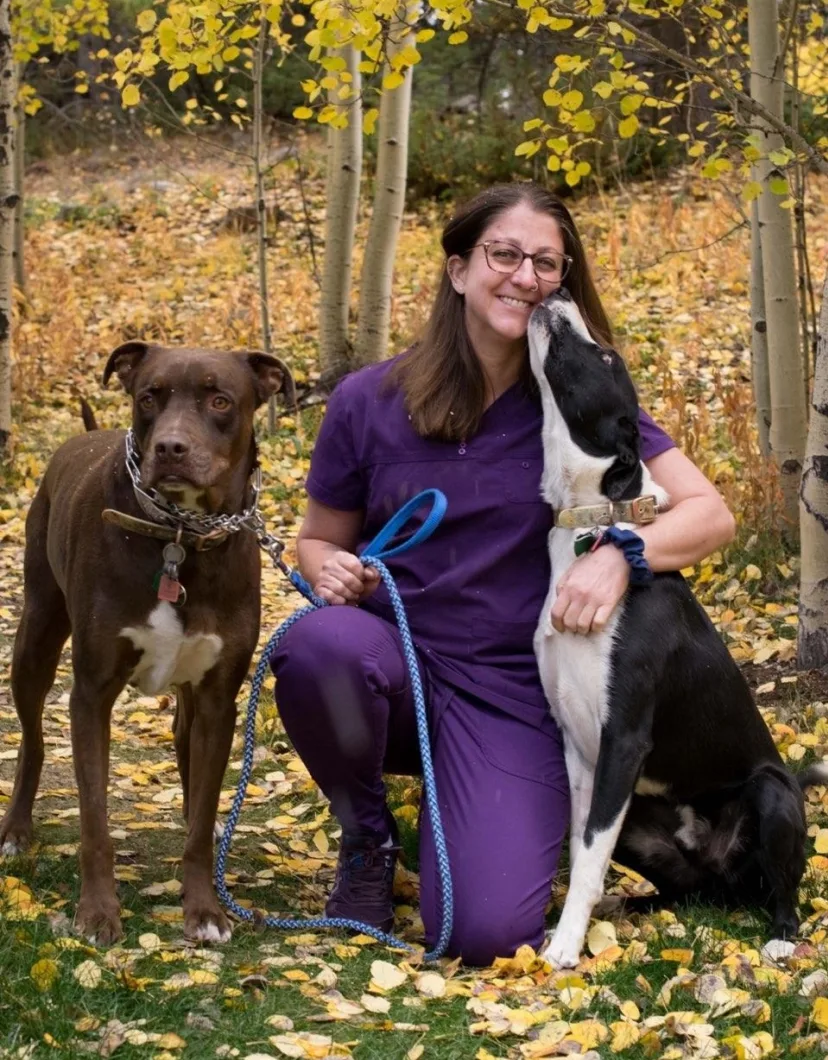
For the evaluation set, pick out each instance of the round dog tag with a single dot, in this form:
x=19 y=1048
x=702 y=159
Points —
x=174 y=553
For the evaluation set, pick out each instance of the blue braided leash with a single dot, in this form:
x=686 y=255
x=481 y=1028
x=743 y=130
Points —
x=373 y=555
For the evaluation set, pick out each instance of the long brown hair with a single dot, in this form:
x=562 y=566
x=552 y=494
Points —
x=440 y=375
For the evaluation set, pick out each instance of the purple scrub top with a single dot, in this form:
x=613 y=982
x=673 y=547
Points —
x=473 y=592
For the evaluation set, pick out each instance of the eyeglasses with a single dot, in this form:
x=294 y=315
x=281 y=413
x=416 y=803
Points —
x=507 y=258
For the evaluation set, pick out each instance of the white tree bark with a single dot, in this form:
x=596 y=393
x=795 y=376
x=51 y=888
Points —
x=759 y=335
x=19 y=181
x=788 y=425
x=813 y=509
x=8 y=198
x=344 y=173
x=371 y=341
x=261 y=205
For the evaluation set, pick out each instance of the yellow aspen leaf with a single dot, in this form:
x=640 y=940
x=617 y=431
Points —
x=131 y=97
x=302 y=113
x=677 y=955
x=587 y=1033
x=146 y=21
x=602 y=934
x=44 y=973
x=527 y=148
x=171 y=1041
x=819 y=1013
x=178 y=79
x=88 y=974
x=602 y=89
x=623 y=1035
x=572 y=100
x=392 y=81
x=320 y=841
x=385 y=976
x=628 y=127
x=369 y=121
x=630 y=104
x=458 y=38
x=583 y=121
x=430 y=984
x=201 y=977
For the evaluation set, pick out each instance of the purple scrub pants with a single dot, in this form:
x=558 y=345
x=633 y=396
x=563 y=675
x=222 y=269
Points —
x=344 y=696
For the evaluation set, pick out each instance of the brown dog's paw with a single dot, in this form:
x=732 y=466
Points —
x=207 y=924
x=15 y=836
x=99 y=920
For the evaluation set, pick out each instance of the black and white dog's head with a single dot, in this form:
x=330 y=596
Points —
x=590 y=411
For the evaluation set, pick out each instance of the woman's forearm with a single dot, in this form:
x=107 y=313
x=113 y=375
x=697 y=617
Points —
x=686 y=533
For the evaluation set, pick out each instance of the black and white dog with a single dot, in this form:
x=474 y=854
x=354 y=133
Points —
x=672 y=770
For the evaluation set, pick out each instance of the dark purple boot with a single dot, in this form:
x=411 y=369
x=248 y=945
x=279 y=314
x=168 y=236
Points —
x=364 y=885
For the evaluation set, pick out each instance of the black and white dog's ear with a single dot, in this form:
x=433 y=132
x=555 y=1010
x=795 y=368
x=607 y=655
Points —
x=623 y=479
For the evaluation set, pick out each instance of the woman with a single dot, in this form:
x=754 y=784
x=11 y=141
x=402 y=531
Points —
x=458 y=412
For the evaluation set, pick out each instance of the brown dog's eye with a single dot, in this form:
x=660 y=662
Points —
x=146 y=401
x=220 y=403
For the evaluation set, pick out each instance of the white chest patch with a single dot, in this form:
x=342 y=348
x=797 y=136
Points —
x=575 y=670
x=170 y=657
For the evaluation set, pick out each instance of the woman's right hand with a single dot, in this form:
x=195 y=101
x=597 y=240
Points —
x=344 y=579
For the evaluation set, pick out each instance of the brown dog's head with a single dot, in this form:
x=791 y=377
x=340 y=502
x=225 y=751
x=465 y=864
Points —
x=192 y=415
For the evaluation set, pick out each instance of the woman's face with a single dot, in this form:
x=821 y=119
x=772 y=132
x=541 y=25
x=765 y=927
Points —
x=498 y=305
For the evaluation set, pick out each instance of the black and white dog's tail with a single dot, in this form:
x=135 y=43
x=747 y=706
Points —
x=815 y=774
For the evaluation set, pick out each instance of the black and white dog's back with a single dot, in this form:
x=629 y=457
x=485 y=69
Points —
x=672 y=770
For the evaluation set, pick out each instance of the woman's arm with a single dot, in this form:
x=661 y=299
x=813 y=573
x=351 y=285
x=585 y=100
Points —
x=325 y=548
x=696 y=524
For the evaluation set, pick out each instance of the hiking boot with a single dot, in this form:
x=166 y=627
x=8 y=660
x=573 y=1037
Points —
x=364 y=885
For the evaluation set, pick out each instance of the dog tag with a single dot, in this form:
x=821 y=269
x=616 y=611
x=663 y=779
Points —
x=174 y=553
x=169 y=589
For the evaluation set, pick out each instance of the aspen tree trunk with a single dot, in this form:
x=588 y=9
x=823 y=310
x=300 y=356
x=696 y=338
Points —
x=344 y=172
x=371 y=342
x=813 y=509
x=788 y=425
x=759 y=335
x=261 y=206
x=8 y=104
x=19 y=182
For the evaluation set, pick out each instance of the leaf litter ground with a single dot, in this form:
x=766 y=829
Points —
x=121 y=246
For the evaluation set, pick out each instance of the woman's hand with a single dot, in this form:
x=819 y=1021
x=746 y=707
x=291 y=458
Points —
x=343 y=579
x=590 y=590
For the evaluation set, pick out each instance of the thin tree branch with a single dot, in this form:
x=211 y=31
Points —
x=728 y=90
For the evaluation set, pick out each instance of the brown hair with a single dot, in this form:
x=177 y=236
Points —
x=440 y=374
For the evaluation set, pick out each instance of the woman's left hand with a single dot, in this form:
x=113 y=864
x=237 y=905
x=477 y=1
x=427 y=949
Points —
x=590 y=590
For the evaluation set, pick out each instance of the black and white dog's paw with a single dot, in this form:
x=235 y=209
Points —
x=563 y=949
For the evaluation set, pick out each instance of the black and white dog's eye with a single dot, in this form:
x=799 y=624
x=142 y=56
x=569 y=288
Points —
x=606 y=358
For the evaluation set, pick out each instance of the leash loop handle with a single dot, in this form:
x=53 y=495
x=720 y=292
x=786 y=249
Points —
x=377 y=549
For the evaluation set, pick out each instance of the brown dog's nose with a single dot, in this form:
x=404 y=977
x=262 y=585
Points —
x=173 y=447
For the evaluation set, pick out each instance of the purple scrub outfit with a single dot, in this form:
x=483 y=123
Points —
x=473 y=593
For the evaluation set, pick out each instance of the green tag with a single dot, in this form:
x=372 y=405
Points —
x=584 y=541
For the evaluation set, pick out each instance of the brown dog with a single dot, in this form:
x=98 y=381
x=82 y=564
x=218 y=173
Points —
x=99 y=580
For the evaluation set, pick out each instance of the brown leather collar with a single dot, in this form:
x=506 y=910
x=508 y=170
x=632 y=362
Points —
x=131 y=523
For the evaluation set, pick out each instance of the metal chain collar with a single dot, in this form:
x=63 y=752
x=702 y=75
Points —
x=168 y=512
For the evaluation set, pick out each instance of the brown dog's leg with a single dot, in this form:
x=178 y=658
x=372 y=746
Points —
x=182 y=724
x=90 y=707
x=210 y=741
x=43 y=629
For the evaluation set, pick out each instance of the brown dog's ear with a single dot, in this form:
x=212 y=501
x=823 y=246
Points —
x=272 y=377
x=124 y=360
